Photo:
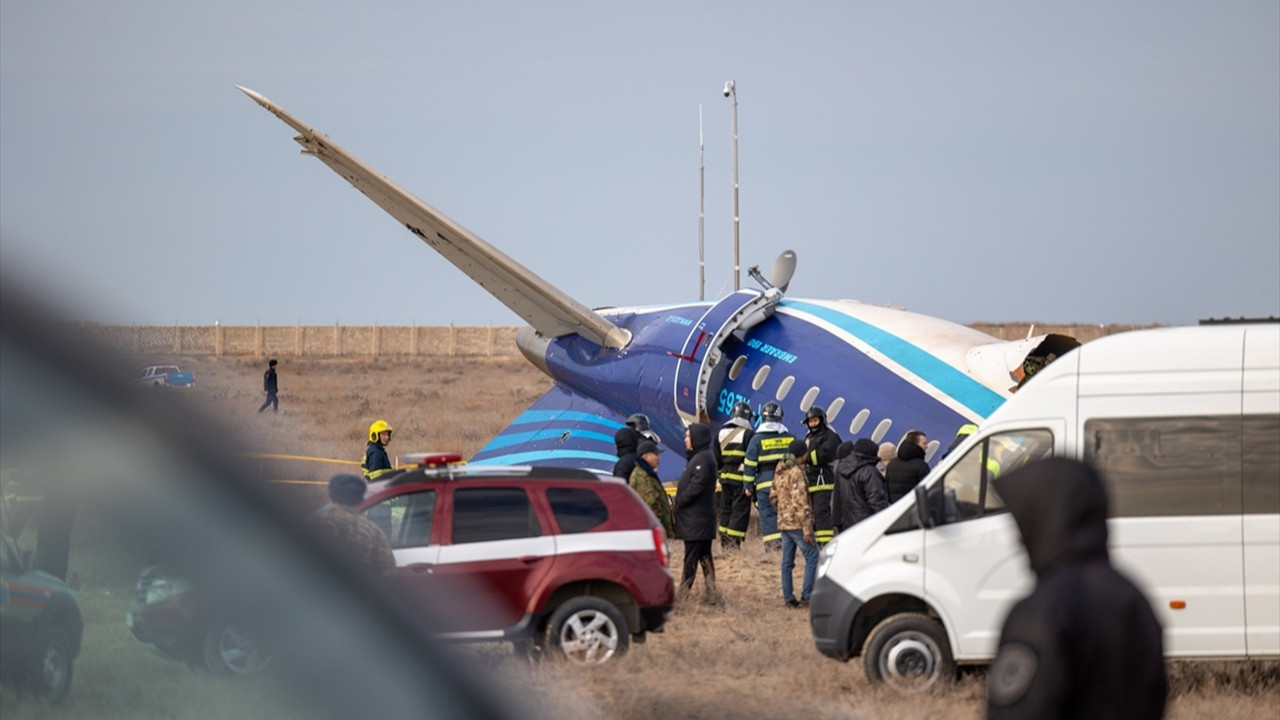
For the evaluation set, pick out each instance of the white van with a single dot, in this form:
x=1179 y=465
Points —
x=1184 y=426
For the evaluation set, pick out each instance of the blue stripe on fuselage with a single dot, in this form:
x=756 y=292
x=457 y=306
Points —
x=941 y=375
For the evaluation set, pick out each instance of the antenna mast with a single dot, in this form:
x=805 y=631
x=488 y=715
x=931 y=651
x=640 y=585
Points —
x=702 y=213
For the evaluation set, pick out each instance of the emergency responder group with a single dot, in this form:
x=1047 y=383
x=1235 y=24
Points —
x=805 y=489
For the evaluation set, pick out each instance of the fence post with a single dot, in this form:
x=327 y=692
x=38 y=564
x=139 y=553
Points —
x=297 y=340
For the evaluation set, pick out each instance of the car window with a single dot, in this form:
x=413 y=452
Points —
x=577 y=509
x=485 y=514
x=966 y=491
x=405 y=519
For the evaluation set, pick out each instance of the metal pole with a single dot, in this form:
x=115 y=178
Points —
x=731 y=90
x=702 y=213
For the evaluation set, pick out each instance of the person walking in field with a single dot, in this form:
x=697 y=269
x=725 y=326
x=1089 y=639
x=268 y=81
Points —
x=695 y=511
x=790 y=497
x=644 y=480
x=270 y=386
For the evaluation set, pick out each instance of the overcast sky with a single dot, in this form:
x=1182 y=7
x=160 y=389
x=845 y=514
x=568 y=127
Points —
x=1095 y=162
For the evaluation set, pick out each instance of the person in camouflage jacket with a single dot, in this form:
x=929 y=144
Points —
x=644 y=480
x=790 y=497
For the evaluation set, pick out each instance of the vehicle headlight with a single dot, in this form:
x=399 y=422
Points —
x=165 y=588
x=824 y=557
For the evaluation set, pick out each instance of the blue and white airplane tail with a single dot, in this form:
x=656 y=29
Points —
x=878 y=372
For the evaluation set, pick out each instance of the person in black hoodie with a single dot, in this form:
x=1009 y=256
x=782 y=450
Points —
x=859 y=487
x=1085 y=643
x=627 y=441
x=695 y=510
x=908 y=468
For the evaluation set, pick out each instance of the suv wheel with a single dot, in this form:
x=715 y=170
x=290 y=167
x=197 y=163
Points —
x=909 y=653
x=588 y=631
x=50 y=670
x=230 y=650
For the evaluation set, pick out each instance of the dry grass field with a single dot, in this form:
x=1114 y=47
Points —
x=746 y=657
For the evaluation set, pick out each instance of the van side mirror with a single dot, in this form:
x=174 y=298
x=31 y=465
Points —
x=923 y=516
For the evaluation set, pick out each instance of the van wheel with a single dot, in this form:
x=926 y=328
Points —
x=230 y=650
x=909 y=653
x=49 y=671
x=588 y=631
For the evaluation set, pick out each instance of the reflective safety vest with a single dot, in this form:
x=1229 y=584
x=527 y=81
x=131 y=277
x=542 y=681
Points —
x=763 y=454
x=733 y=451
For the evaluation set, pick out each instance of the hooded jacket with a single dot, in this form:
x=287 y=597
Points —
x=695 y=504
x=905 y=471
x=859 y=489
x=1085 y=643
x=626 y=440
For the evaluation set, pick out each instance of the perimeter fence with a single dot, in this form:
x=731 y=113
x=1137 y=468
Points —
x=259 y=341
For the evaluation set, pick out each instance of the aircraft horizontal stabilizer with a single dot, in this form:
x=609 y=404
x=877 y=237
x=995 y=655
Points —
x=562 y=428
x=545 y=307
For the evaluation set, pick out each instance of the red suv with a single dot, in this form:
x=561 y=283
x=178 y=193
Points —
x=560 y=560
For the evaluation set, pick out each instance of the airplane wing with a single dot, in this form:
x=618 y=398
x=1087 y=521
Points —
x=561 y=428
x=545 y=307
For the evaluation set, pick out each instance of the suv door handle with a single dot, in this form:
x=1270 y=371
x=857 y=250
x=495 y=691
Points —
x=422 y=568
x=530 y=559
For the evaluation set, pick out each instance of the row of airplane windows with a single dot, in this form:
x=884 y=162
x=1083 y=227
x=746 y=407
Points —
x=833 y=409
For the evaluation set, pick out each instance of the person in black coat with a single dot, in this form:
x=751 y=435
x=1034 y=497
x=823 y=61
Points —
x=859 y=487
x=626 y=440
x=695 y=510
x=1085 y=643
x=907 y=469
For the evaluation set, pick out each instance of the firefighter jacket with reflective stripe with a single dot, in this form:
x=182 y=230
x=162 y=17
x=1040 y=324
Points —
x=766 y=448
x=731 y=451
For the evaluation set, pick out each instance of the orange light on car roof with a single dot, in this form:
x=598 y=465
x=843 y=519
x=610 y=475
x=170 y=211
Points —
x=436 y=459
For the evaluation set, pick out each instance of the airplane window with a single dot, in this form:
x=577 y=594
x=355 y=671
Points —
x=736 y=369
x=785 y=387
x=836 y=406
x=761 y=375
x=883 y=427
x=930 y=449
x=858 y=421
x=806 y=402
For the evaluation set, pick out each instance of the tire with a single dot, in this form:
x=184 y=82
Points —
x=587 y=630
x=49 y=671
x=909 y=653
x=231 y=651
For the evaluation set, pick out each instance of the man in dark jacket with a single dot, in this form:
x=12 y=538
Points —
x=627 y=441
x=821 y=444
x=1085 y=643
x=271 y=386
x=908 y=468
x=695 y=510
x=859 y=487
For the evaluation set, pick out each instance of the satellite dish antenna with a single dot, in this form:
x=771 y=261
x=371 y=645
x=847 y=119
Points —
x=783 y=268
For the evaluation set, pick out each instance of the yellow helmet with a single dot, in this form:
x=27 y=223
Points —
x=379 y=426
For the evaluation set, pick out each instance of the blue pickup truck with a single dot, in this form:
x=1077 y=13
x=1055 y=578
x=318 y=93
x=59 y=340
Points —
x=166 y=376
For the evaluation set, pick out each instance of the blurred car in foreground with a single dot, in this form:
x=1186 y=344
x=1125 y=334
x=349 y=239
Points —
x=169 y=616
x=557 y=560
x=154 y=484
x=40 y=625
